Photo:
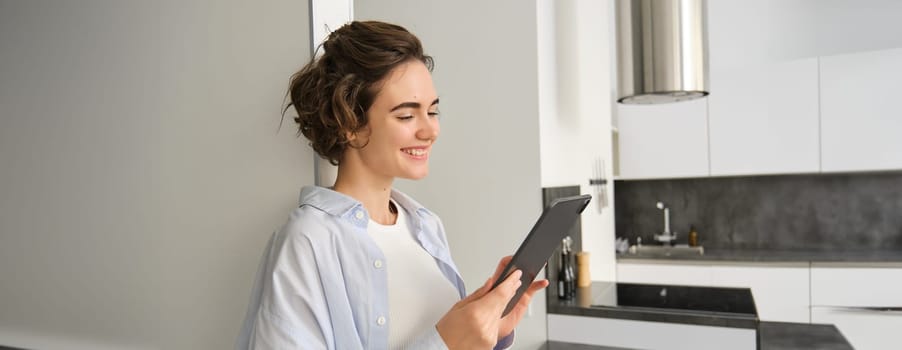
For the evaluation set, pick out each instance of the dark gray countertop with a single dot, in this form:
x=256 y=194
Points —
x=800 y=336
x=777 y=255
x=771 y=335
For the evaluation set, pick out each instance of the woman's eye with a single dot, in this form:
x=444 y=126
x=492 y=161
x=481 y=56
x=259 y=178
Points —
x=406 y=117
x=434 y=114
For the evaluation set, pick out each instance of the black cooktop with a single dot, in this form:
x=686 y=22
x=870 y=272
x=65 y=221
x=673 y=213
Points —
x=727 y=300
x=712 y=306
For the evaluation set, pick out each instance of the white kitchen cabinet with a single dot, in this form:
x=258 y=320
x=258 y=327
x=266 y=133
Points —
x=856 y=299
x=780 y=290
x=861 y=116
x=663 y=141
x=864 y=329
x=655 y=272
x=868 y=285
x=763 y=107
x=763 y=119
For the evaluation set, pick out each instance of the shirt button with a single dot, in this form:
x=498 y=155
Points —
x=380 y=321
x=359 y=214
x=377 y=263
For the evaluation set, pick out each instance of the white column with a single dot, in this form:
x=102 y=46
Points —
x=326 y=16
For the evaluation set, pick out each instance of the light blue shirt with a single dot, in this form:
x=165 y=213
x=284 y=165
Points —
x=322 y=283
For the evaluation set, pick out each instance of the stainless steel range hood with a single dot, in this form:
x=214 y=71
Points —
x=661 y=51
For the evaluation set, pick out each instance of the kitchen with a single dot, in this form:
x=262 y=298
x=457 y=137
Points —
x=788 y=169
x=528 y=98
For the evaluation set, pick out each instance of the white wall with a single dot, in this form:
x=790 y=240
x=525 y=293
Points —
x=575 y=115
x=141 y=170
x=484 y=178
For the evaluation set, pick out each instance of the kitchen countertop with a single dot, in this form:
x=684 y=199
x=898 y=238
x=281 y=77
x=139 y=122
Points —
x=799 y=336
x=602 y=299
x=771 y=335
x=777 y=255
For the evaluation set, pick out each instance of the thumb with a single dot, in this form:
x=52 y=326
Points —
x=506 y=290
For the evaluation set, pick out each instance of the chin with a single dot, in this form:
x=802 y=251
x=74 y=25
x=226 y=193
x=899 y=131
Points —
x=416 y=175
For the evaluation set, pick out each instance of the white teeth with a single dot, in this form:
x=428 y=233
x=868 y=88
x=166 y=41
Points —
x=415 y=151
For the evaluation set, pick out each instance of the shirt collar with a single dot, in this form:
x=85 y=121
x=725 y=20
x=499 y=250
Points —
x=327 y=200
x=405 y=201
x=338 y=204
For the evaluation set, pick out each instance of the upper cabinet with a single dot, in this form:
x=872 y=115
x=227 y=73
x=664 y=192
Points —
x=763 y=119
x=763 y=110
x=812 y=91
x=663 y=141
x=861 y=120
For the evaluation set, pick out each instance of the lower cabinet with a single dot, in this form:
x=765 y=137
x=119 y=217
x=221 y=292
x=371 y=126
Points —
x=865 y=329
x=864 y=302
x=781 y=290
x=654 y=272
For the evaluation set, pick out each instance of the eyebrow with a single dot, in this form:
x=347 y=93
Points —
x=411 y=105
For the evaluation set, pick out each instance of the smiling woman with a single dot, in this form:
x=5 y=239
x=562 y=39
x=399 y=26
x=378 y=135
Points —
x=402 y=126
x=361 y=265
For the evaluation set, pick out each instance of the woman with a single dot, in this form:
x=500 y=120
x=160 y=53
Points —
x=361 y=265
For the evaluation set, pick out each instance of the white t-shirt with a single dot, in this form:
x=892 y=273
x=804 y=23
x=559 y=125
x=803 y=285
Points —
x=418 y=294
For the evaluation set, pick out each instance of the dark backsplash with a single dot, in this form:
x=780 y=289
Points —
x=819 y=212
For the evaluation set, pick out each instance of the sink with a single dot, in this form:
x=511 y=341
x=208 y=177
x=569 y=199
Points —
x=660 y=250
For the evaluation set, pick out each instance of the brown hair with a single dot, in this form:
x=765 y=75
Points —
x=332 y=93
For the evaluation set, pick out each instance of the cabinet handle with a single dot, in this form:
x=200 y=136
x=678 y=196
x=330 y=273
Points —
x=867 y=309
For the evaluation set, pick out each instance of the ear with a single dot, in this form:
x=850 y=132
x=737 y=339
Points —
x=358 y=138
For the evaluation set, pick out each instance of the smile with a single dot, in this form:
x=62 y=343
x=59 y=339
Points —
x=416 y=152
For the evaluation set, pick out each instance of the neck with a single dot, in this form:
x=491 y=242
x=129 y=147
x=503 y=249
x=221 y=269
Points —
x=372 y=191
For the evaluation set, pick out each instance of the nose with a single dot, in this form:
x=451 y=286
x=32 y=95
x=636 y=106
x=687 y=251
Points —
x=428 y=129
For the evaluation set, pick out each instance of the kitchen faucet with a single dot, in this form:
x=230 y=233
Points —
x=666 y=236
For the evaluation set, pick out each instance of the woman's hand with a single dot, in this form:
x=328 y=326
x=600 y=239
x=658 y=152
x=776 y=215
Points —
x=475 y=322
x=509 y=322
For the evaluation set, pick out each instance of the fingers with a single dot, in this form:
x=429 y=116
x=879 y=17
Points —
x=537 y=286
x=506 y=259
x=506 y=290
x=533 y=288
x=503 y=292
x=478 y=293
x=501 y=265
x=520 y=309
x=481 y=291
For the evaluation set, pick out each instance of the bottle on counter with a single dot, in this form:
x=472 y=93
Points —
x=583 y=279
x=693 y=236
x=566 y=285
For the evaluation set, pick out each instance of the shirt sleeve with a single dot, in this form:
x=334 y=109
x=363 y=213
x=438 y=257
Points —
x=292 y=310
x=429 y=340
x=505 y=342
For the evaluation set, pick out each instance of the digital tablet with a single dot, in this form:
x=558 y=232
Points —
x=544 y=237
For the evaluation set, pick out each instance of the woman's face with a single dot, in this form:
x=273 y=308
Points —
x=402 y=124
